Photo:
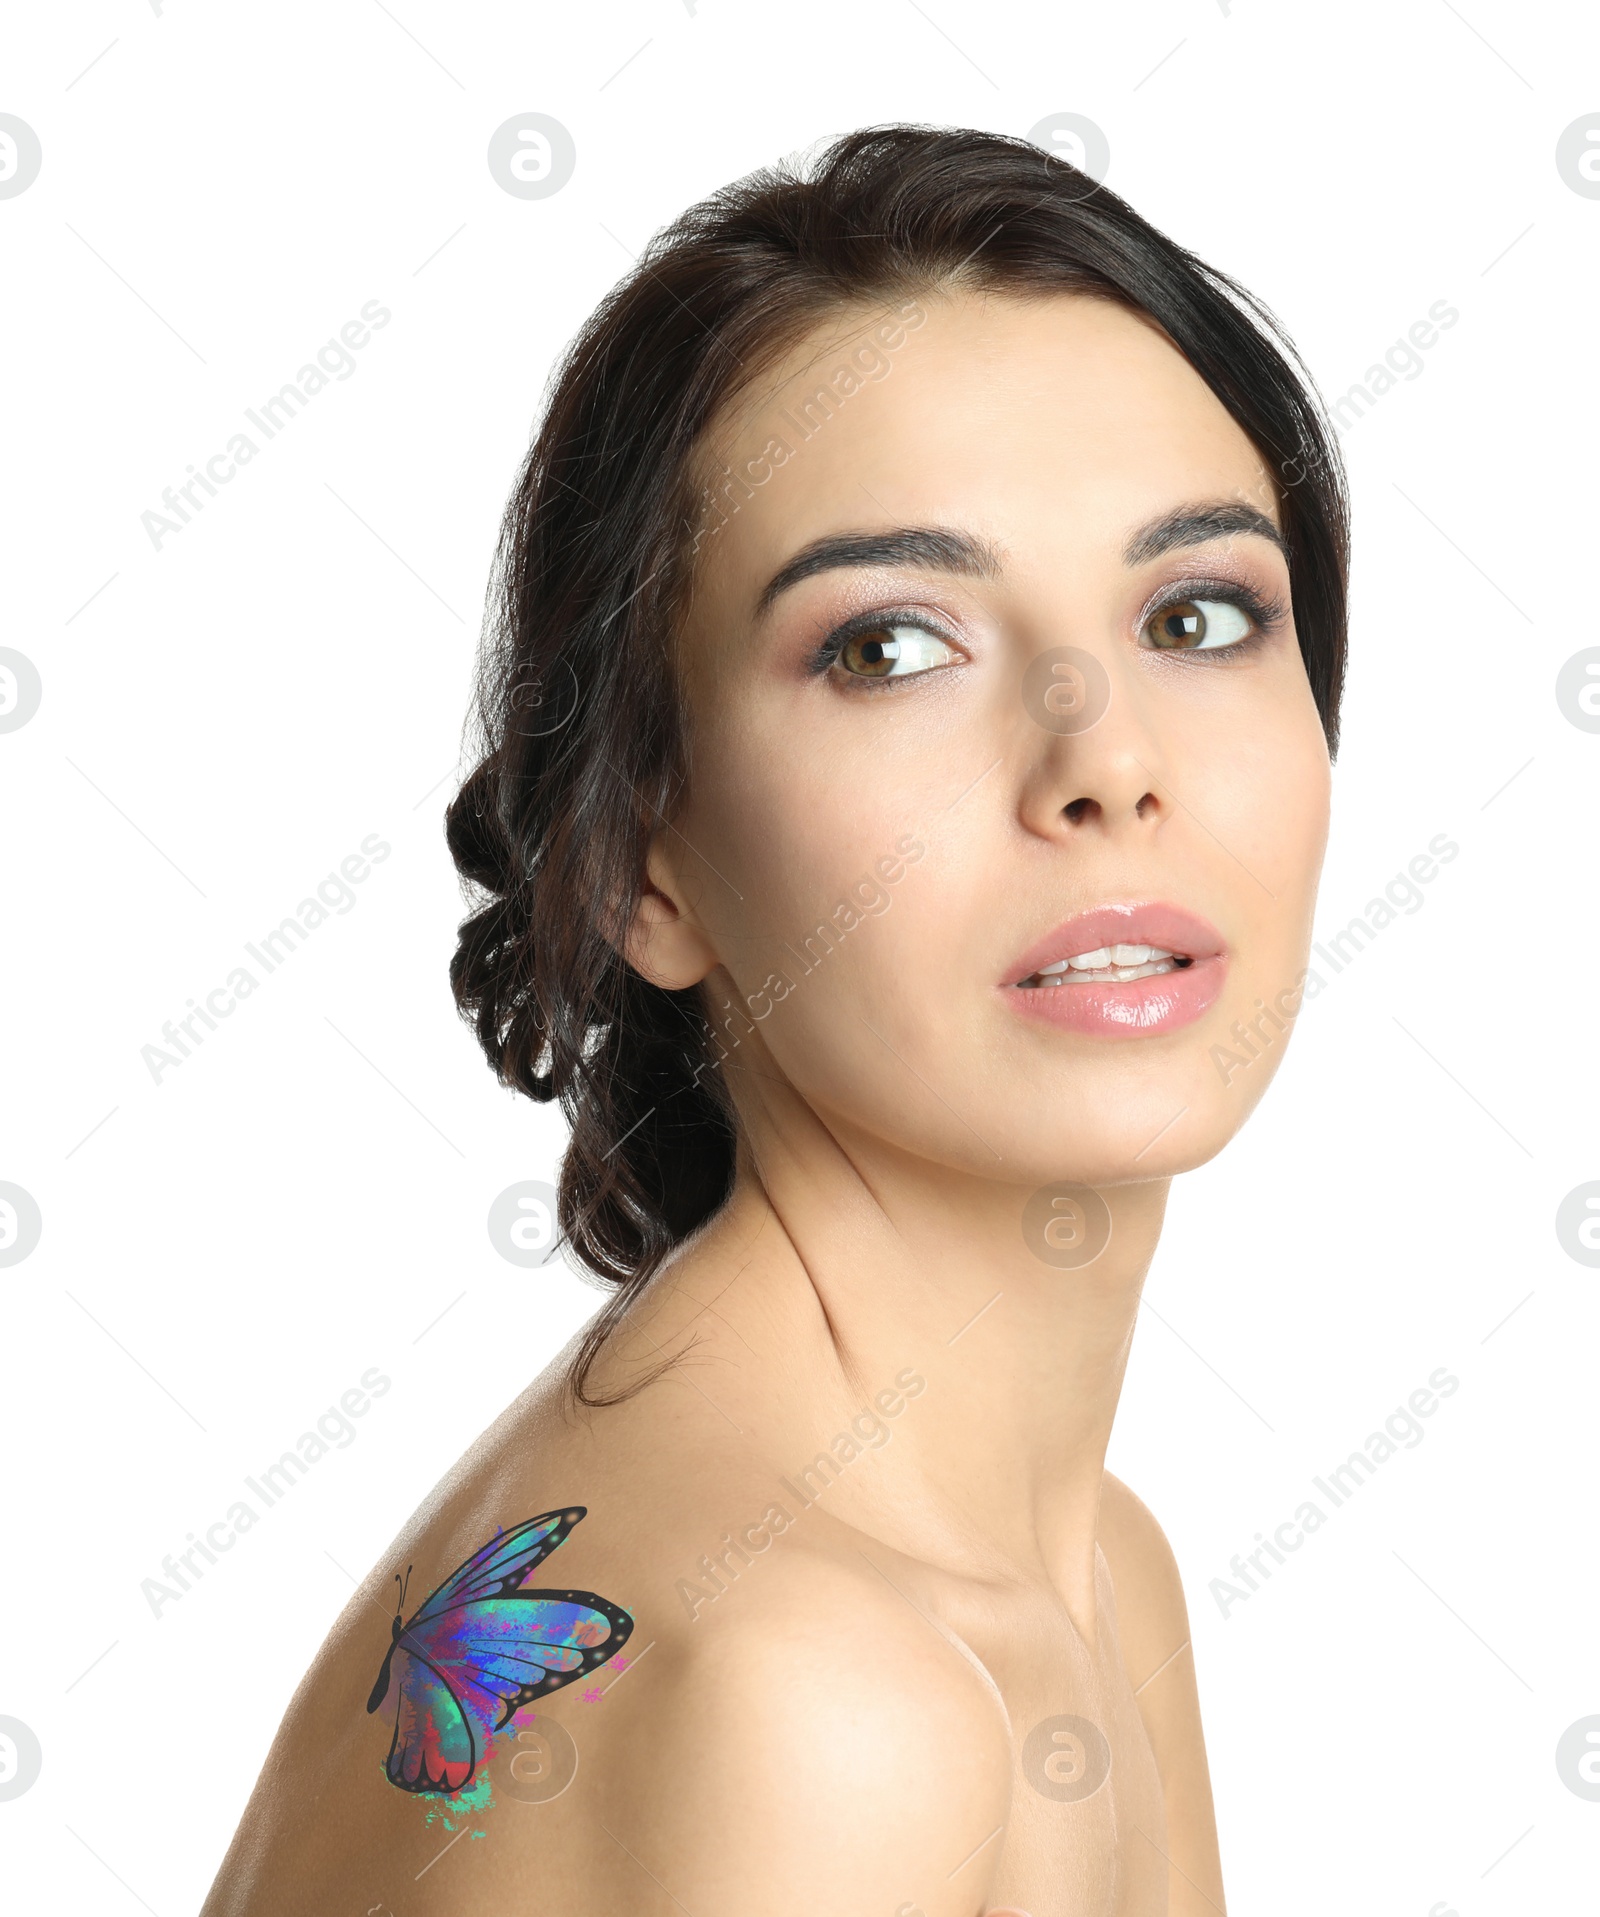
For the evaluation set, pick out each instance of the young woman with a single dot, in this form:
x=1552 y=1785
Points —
x=904 y=787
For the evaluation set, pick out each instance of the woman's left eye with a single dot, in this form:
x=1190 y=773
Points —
x=1199 y=625
x=893 y=652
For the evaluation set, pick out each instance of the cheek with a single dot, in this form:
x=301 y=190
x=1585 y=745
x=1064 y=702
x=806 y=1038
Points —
x=801 y=830
x=1271 y=812
x=829 y=912
x=1269 y=815
x=857 y=1010
x=1254 y=757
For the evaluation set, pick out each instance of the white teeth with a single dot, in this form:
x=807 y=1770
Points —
x=1116 y=966
x=1107 y=965
x=1104 y=955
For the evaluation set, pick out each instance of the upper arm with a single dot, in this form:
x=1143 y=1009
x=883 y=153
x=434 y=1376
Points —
x=811 y=1757
x=1153 y=1625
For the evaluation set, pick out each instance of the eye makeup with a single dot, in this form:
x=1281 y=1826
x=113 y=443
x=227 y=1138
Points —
x=878 y=627
x=882 y=622
x=1267 y=614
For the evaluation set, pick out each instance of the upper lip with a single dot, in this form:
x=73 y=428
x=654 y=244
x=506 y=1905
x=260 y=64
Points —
x=1153 y=923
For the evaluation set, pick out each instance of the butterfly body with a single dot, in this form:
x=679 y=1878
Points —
x=480 y=1648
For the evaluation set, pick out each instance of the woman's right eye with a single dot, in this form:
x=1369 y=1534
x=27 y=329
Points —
x=893 y=652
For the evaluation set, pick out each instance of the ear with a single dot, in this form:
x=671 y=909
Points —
x=665 y=942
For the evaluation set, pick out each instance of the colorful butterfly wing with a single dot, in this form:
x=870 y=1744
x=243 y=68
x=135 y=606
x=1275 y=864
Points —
x=500 y=1653
x=436 y=1745
x=503 y=1562
x=479 y=1649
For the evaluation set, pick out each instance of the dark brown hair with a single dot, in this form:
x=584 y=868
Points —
x=581 y=735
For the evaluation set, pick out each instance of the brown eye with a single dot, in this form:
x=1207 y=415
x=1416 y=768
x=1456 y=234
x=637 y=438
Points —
x=893 y=652
x=1198 y=625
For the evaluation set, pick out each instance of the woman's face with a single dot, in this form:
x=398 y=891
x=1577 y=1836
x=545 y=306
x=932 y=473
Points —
x=991 y=632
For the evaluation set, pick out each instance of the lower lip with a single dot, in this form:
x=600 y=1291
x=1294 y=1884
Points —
x=1162 y=1003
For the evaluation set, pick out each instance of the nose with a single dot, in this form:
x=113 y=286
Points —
x=1094 y=757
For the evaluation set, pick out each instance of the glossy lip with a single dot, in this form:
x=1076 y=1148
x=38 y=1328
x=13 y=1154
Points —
x=1161 y=1003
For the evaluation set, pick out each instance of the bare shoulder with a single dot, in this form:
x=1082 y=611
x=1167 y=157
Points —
x=1151 y=1609
x=523 y=1573
x=1157 y=1653
x=816 y=1702
x=765 y=1686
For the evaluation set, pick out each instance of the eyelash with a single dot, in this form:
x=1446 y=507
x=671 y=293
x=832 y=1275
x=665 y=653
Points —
x=1267 y=614
x=827 y=654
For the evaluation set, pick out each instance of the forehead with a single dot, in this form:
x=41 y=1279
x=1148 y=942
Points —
x=1050 y=425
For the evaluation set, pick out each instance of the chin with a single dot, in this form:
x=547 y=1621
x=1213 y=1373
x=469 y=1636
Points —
x=1131 y=1148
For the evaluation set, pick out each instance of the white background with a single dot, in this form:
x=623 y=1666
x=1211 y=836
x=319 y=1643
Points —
x=224 y=720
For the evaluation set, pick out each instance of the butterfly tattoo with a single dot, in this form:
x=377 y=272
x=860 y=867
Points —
x=465 y=1662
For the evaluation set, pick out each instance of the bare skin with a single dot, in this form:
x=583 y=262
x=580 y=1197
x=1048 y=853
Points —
x=853 y=1711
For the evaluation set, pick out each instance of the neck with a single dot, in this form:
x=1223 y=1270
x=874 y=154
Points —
x=840 y=1264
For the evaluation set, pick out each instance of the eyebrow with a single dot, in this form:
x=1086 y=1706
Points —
x=939 y=549
x=930 y=548
x=1194 y=525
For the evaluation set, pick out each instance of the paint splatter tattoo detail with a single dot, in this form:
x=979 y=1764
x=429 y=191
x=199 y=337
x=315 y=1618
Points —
x=465 y=1662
